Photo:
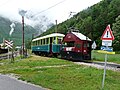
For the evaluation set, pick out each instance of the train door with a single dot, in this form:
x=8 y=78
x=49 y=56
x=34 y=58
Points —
x=87 y=50
x=51 y=45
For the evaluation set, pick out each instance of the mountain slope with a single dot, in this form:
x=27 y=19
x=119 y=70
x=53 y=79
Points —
x=17 y=34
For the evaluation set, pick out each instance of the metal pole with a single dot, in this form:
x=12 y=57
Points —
x=23 y=35
x=104 y=70
x=8 y=53
x=4 y=42
x=56 y=26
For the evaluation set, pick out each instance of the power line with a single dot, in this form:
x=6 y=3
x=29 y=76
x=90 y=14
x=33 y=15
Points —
x=49 y=7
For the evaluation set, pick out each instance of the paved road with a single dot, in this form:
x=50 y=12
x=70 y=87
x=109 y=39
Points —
x=8 y=83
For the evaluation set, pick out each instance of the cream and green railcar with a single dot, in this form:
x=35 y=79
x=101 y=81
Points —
x=48 y=45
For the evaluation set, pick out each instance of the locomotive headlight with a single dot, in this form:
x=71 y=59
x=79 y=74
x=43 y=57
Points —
x=67 y=52
x=84 y=50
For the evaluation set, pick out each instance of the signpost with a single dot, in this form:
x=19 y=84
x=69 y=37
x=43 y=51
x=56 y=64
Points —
x=109 y=49
x=93 y=47
x=106 y=38
x=9 y=44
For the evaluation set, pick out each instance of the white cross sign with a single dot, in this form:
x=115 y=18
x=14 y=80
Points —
x=9 y=43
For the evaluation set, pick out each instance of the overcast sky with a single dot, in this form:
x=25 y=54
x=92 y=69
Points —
x=61 y=11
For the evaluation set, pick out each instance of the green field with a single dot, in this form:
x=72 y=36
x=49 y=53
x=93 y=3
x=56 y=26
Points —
x=57 y=74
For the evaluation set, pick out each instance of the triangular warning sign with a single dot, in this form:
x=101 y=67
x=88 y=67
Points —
x=107 y=35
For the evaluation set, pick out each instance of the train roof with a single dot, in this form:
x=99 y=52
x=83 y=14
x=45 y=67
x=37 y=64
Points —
x=81 y=36
x=50 y=35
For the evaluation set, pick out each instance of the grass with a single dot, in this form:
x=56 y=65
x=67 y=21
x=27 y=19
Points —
x=101 y=57
x=57 y=74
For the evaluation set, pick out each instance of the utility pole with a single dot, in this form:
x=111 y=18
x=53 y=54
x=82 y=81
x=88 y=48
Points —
x=22 y=13
x=56 y=26
x=23 y=35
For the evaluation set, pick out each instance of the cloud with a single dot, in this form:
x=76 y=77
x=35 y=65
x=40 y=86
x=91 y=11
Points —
x=9 y=8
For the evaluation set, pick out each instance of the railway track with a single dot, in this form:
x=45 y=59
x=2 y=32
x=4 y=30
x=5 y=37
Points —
x=96 y=64
x=100 y=65
x=114 y=65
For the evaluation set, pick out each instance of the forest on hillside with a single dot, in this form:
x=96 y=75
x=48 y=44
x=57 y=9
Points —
x=93 y=21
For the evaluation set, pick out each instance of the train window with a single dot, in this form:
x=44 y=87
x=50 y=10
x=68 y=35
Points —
x=86 y=45
x=59 y=40
x=54 y=40
x=43 y=41
x=40 y=42
x=36 y=43
x=70 y=44
x=78 y=45
x=47 y=40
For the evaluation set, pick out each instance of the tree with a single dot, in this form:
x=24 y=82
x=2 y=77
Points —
x=86 y=27
x=116 y=32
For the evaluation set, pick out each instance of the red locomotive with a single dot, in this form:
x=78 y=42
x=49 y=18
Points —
x=77 y=46
x=74 y=46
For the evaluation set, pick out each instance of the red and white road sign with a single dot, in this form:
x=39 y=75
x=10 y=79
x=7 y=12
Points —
x=9 y=43
x=107 y=35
